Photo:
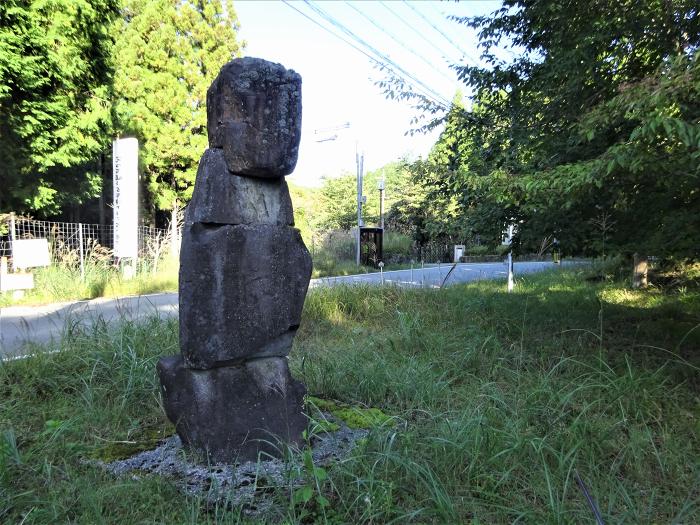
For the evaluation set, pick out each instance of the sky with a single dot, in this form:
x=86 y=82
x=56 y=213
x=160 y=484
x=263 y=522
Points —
x=338 y=81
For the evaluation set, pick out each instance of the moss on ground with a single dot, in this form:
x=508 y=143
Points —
x=117 y=450
x=353 y=416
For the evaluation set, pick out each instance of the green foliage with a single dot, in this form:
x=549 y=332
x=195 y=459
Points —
x=310 y=495
x=640 y=193
x=55 y=78
x=588 y=133
x=304 y=201
x=337 y=207
x=423 y=209
x=75 y=72
x=169 y=52
x=338 y=203
x=447 y=200
x=478 y=249
x=398 y=247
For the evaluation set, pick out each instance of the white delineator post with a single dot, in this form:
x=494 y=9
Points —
x=82 y=251
x=508 y=241
x=511 y=277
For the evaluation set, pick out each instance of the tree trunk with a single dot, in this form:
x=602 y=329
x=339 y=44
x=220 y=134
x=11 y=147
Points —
x=174 y=232
x=639 y=276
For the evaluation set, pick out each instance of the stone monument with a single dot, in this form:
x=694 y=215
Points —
x=244 y=273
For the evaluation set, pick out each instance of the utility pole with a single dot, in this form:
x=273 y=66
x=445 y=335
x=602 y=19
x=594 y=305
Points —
x=380 y=186
x=359 y=161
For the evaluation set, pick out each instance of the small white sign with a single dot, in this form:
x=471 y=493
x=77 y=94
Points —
x=508 y=235
x=30 y=253
x=16 y=281
x=126 y=196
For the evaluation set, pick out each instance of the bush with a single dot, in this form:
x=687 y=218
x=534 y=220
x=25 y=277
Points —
x=398 y=247
x=478 y=249
x=502 y=250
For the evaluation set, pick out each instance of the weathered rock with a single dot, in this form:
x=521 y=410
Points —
x=254 y=115
x=221 y=197
x=244 y=273
x=234 y=413
x=242 y=290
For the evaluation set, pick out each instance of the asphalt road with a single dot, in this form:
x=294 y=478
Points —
x=20 y=325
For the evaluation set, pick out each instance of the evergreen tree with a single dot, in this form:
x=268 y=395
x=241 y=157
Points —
x=55 y=77
x=167 y=54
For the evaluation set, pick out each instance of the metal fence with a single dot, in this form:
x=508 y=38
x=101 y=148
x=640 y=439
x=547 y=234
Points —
x=74 y=243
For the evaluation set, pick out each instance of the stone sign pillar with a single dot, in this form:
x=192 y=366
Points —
x=244 y=273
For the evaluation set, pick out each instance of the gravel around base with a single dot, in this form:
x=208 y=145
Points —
x=247 y=484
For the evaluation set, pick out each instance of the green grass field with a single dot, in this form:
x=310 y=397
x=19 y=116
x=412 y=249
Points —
x=497 y=401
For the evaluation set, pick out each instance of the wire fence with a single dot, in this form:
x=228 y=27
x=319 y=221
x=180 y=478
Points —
x=73 y=243
x=398 y=248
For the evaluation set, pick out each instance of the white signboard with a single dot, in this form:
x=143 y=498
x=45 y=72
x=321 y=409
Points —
x=126 y=193
x=30 y=253
x=508 y=235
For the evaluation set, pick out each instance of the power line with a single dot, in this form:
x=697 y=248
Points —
x=439 y=99
x=289 y=4
x=435 y=98
x=395 y=39
x=444 y=14
x=421 y=35
x=385 y=58
x=464 y=53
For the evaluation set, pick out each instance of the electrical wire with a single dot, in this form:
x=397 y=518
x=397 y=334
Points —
x=421 y=15
x=383 y=58
x=370 y=57
x=443 y=14
x=444 y=55
x=437 y=98
x=395 y=39
x=289 y=4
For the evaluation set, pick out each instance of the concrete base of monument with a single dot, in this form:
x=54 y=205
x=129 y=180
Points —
x=259 y=487
x=234 y=413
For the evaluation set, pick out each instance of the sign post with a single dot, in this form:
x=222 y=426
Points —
x=508 y=241
x=126 y=177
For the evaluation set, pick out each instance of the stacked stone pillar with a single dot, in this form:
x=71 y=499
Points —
x=244 y=273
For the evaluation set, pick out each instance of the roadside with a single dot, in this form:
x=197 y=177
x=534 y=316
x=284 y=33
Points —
x=22 y=325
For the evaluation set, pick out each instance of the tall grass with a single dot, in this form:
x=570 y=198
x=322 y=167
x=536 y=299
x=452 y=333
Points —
x=334 y=254
x=59 y=283
x=498 y=401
